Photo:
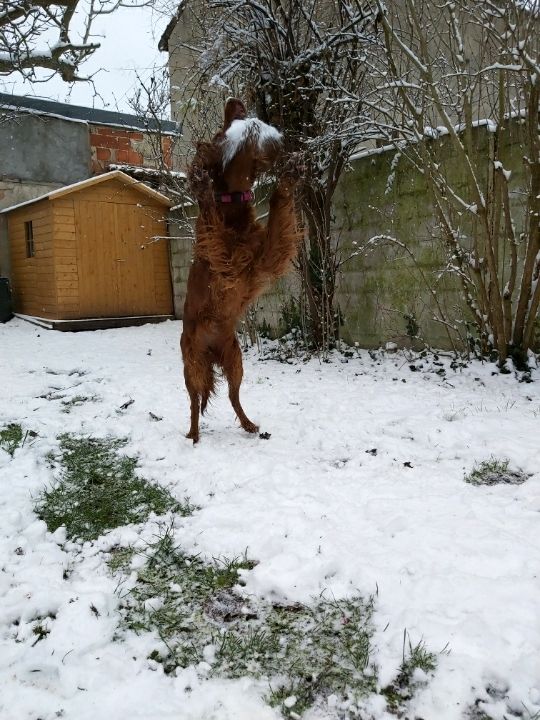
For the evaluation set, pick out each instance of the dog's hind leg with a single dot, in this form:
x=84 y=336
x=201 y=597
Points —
x=193 y=433
x=231 y=362
x=199 y=377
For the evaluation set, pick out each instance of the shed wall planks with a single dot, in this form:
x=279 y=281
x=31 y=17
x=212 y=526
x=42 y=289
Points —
x=96 y=254
x=66 y=266
x=33 y=282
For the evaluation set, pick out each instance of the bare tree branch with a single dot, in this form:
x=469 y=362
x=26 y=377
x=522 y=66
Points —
x=38 y=34
x=453 y=67
x=302 y=66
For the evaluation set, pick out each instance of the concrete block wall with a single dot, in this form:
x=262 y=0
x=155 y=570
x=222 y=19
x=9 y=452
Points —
x=385 y=293
x=181 y=232
x=40 y=153
x=381 y=290
x=16 y=191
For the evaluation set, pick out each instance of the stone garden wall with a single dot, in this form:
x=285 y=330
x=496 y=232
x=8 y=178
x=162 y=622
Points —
x=386 y=293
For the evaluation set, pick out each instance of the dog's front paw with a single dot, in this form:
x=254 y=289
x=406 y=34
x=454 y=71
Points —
x=200 y=182
x=293 y=170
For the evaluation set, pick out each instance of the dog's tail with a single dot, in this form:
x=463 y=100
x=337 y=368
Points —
x=199 y=373
x=208 y=390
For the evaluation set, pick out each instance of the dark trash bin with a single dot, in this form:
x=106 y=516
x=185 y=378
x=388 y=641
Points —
x=5 y=300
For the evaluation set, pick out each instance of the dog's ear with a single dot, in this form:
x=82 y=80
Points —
x=234 y=110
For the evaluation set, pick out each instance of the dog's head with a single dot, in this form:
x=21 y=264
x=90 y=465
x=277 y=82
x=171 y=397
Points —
x=243 y=149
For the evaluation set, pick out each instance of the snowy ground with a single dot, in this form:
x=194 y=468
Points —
x=452 y=564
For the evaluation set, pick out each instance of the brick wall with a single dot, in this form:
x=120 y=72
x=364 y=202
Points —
x=125 y=147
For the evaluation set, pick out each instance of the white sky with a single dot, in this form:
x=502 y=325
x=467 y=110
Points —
x=129 y=39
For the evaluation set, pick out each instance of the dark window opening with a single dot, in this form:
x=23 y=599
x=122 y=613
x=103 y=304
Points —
x=29 y=237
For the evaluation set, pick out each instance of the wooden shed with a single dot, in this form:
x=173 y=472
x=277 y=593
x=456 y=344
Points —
x=95 y=249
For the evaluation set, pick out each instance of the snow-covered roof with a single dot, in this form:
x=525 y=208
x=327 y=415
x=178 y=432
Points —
x=114 y=175
x=163 y=44
x=79 y=113
x=141 y=171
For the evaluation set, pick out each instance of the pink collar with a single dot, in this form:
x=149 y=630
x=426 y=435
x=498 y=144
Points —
x=235 y=197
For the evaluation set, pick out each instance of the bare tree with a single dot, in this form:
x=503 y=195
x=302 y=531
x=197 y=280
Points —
x=151 y=103
x=301 y=64
x=454 y=70
x=54 y=35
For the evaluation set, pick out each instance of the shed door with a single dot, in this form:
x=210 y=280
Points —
x=121 y=273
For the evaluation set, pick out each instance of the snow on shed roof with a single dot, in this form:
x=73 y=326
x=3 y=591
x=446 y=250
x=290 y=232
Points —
x=74 y=187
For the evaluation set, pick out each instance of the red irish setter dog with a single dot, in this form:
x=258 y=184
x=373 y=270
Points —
x=235 y=257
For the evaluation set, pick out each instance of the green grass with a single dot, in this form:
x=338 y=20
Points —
x=495 y=472
x=120 y=559
x=98 y=490
x=40 y=631
x=407 y=682
x=12 y=437
x=325 y=651
x=185 y=586
x=304 y=653
x=480 y=709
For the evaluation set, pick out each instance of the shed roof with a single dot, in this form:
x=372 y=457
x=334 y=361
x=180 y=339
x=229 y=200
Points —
x=96 y=180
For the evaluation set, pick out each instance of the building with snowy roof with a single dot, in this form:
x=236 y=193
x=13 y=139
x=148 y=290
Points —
x=48 y=144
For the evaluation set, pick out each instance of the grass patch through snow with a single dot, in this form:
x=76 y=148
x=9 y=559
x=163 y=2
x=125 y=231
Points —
x=306 y=654
x=13 y=437
x=488 y=705
x=120 y=559
x=99 y=490
x=495 y=472
x=417 y=664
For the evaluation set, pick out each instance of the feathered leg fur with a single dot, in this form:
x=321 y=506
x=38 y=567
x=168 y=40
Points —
x=235 y=258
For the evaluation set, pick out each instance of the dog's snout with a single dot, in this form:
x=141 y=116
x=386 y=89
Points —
x=234 y=110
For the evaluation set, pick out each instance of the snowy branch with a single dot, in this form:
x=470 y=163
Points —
x=38 y=34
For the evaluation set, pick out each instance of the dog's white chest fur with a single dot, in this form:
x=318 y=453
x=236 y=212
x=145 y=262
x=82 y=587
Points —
x=250 y=131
